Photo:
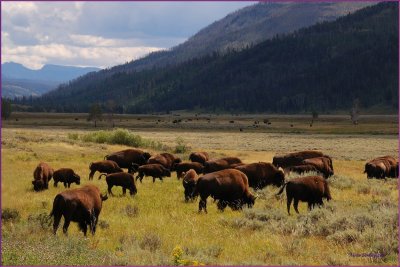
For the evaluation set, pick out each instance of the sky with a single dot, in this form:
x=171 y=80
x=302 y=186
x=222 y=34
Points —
x=100 y=34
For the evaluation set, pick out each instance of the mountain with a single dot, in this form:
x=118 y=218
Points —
x=18 y=80
x=324 y=67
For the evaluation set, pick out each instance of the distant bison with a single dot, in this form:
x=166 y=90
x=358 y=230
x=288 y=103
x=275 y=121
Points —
x=126 y=158
x=322 y=164
x=262 y=174
x=296 y=158
x=123 y=179
x=104 y=166
x=310 y=189
x=382 y=167
x=221 y=164
x=153 y=170
x=229 y=186
x=166 y=159
x=200 y=157
x=41 y=176
x=183 y=167
x=66 y=176
x=189 y=184
x=82 y=205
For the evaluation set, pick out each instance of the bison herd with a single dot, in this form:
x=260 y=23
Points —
x=227 y=180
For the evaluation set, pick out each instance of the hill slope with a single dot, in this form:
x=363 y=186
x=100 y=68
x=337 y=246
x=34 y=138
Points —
x=323 y=67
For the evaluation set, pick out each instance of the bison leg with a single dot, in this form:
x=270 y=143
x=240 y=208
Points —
x=288 y=203
x=56 y=223
x=123 y=191
x=296 y=204
x=222 y=205
x=67 y=220
x=91 y=174
x=203 y=205
x=55 y=183
x=65 y=185
x=161 y=179
x=109 y=190
x=309 y=205
x=83 y=227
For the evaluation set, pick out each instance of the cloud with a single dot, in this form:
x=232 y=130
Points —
x=100 y=33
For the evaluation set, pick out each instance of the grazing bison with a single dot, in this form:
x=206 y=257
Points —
x=82 y=205
x=296 y=158
x=104 y=166
x=166 y=159
x=66 y=176
x=221 y=164
x=200 y=157
x=322 y=164
x=229 y=186
x=310 y=189
x=41 y=176
x=123 y=179
x=382 y=167
x=189 y=184
x=183 y=167
x=262 y=174
x=153 y=170
x=125 y=158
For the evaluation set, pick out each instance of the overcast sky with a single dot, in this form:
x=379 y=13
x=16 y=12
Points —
x=100 y=34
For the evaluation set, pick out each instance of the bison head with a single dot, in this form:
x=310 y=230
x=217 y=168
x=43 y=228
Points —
x=133 y=168
x=279 y=179
x=278 y=161
x=37 y=185
x=76 y=179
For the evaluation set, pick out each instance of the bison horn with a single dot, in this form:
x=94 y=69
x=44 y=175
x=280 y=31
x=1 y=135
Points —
x=186 y=182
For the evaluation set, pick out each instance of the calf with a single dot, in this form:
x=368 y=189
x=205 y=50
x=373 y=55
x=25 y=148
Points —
x=82 y=205
x=123 y=179
x=104 y=166
x=310 y=189
x=153 y=170
x=41 y=176
x=66 y=176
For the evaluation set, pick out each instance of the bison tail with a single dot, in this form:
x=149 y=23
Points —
x=57 y=203
x=105 y=174
x=281 y=190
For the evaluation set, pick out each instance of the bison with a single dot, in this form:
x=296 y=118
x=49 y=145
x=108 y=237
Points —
x=229 y=186
x=310 y=189
x=189 y=184
x=321 y=164
x=394 y=166
x=82 y=205
x=166 y=159
x=200 y=157
x=183 y=167
x=126 y=158
x=66 y=176
x=104 y=166
x=123 y=179
x=41 y=176
x=382 y=167
x=154 y=170
x=262 y=174
x=221 y=164
x=296 y=158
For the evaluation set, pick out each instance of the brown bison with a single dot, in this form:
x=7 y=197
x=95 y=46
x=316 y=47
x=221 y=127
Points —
x=123 y=179
x=300 y=169
x=125 y=158
x=322 y=164
x=104 y=166
x=296 y=158
x=262 y=174
x=229 y=186
x=166 y=159
x=189 y=184
x=81 y=205
x=221 y=164
x=66 y=176
x=382 y=167
x=153 y=170
x=41 y=176
x=183 y=167
x=200 y=157
x=310 y=189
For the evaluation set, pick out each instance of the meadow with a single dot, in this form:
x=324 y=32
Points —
x=156 y=227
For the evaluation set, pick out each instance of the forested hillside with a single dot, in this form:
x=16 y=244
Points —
x=324 y=67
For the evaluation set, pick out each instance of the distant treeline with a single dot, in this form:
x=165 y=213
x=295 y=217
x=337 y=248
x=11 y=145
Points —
x=321 y=68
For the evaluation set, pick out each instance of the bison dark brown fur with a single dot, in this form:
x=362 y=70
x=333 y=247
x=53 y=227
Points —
x=183 y=167
x=125 y=158
x=189 y=184
x=165 y=159
x=262 y=174
x=310 y=189
x=200 y=157
x=123 y=179
x=66 y=176
x=104 y=166
x=295 y=158
x=153 y=170
x=322 y=164
x=221 y=164
x=41 y=176
x=82 y=205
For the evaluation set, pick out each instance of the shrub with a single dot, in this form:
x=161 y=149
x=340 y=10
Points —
x=345 y=237
x=131 y=211
x=103 y=224
x=177 y=260
x=10 y=215
x=150 y=242
x=73 y=136
x=181 y=147
x=341 y=182
x=41 y=219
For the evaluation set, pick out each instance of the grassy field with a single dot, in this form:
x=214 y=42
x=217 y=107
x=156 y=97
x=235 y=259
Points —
x=156 y=227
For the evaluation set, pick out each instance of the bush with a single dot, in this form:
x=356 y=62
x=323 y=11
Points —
x=41 y=219
x=10 y=215
x=345 y=237
x=180 y=147
x=131 y=211
x=150 y=242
